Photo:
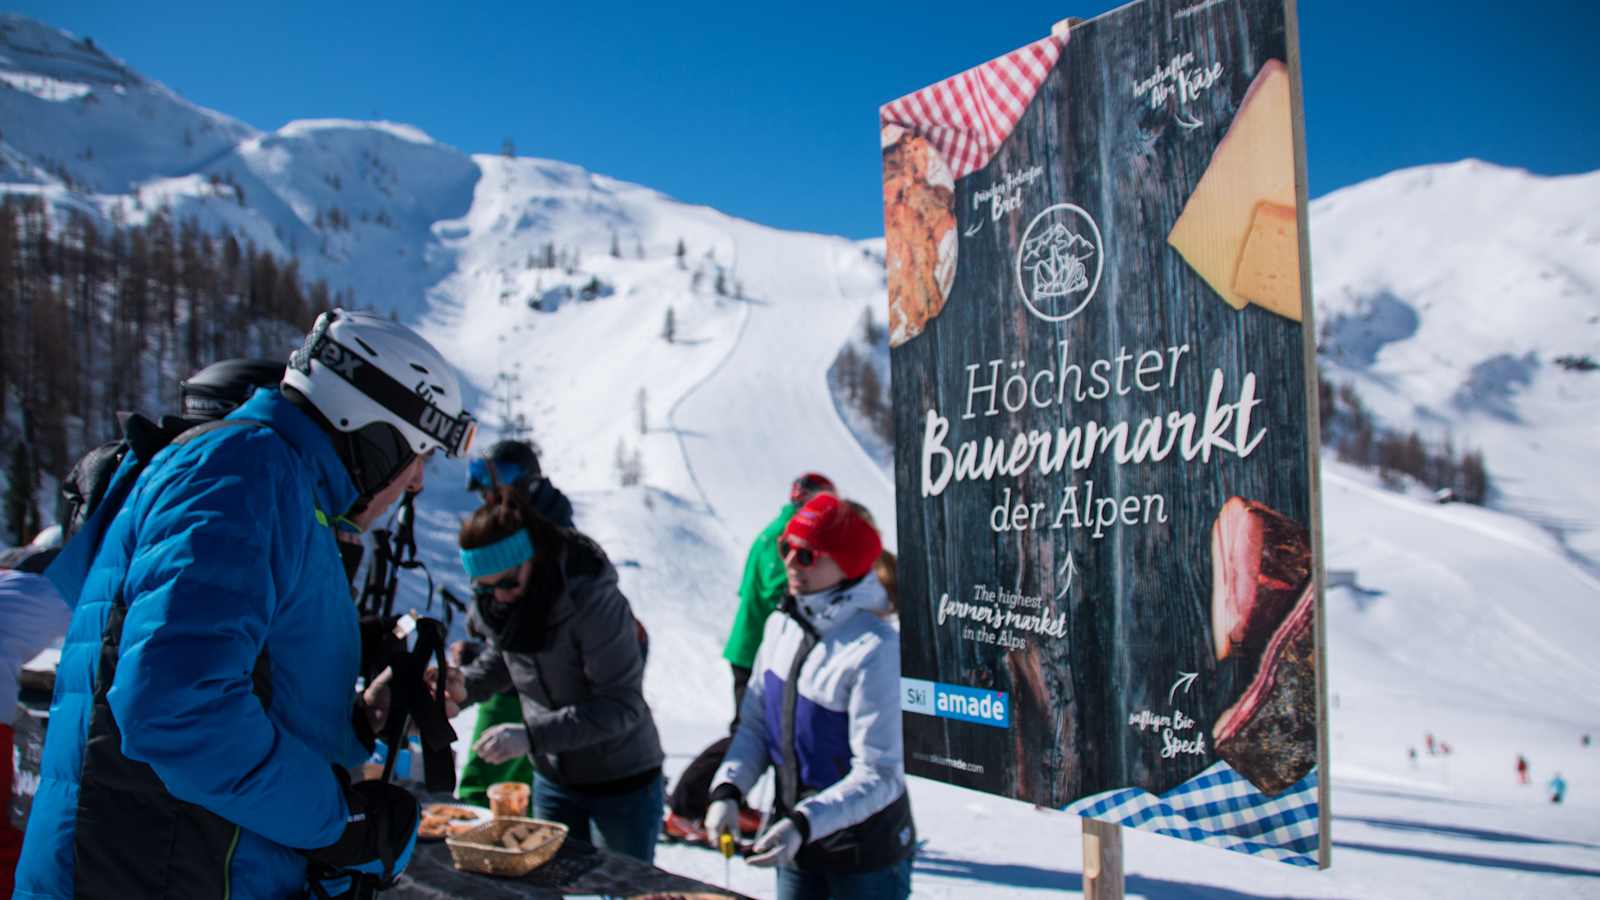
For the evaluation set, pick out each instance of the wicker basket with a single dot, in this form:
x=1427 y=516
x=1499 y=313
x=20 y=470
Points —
x=480 y=850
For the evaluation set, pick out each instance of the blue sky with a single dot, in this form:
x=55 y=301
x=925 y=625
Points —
x=769 y=111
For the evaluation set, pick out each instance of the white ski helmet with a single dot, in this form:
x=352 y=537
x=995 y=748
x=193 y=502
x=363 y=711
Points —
x=358 y=369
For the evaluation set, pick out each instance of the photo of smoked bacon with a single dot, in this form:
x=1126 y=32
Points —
x=919 y=222
x=1260 y=564
x=1269 y=735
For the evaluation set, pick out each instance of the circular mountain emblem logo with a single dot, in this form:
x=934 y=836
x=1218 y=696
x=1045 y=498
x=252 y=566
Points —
x=1059 y=263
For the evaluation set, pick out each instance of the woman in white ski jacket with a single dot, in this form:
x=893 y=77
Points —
x=823 y=708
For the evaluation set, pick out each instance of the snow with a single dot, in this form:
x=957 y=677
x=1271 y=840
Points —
x=1445 y=294
x=1476 y=625
x=50 y=89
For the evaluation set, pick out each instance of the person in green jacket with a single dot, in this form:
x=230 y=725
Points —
x=763 y=585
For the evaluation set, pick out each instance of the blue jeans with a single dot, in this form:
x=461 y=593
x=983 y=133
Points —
x=889 y=883
x=622 y=823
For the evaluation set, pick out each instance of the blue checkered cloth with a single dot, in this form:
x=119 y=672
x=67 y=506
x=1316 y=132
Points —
x=1219 y=807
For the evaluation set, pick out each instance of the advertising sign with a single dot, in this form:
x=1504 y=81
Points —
x=1106 y=462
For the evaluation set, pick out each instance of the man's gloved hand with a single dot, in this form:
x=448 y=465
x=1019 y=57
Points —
x=779 y=845
x=502 y=742
x=722 y=816
x=379 y=834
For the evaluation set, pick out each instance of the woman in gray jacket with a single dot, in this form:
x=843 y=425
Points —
x=563 y=635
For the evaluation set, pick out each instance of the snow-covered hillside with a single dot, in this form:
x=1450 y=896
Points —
x=549 y=287
x=1448 y=296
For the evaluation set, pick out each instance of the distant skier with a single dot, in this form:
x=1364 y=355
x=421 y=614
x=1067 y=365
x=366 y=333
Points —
x=1558 y=788
x=1411 y=754
x=1587 y=740
x=1522 y=769
x=1430 y=743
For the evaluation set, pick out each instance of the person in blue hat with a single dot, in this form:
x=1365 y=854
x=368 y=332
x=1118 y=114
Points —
x=562 y=636
x=512 y=465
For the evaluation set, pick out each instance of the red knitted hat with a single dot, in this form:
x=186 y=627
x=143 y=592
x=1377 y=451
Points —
x=828 y=525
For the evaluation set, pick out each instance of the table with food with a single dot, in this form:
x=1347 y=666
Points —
x=469 y=851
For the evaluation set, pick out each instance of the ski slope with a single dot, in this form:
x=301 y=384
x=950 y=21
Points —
x=766 y=414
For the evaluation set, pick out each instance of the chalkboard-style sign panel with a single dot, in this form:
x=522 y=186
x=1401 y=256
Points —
x=1106 y=460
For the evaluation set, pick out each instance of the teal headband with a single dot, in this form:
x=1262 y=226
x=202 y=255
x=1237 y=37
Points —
x=506 y=553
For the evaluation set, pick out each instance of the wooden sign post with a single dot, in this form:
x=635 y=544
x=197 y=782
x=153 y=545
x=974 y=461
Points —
x=1102 y=860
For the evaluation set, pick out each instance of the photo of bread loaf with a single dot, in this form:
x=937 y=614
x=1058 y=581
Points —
x=920 y=231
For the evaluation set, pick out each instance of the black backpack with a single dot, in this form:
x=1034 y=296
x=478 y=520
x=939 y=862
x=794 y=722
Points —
x=93 y=492
x=84 y=488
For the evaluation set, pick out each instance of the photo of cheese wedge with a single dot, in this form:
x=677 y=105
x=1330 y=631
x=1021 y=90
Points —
x=1253 y=164
x=1269 y=266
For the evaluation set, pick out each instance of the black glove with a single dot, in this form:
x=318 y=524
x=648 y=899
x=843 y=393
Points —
x=379 y=835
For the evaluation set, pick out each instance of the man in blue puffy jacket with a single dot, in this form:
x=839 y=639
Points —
x=205 y=709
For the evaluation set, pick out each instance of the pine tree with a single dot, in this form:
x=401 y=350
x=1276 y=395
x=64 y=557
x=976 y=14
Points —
x=669 y=331
x=871 y=392
x=642 y=402
x=616 y=246
x=630 y=466
x=680 y=252
x=22 y=513
x=1474 y=478
x=870 y=332
x=849 y=373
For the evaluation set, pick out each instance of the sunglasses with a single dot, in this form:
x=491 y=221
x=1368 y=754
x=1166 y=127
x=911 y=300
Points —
x=802 y=556
x=485 y=591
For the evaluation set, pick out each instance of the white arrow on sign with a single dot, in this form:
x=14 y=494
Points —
x=1186 y=679
x=1069 y=569
x=1187 y=124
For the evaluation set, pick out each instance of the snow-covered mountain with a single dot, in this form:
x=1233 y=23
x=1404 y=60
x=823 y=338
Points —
x=550 y=286
x=1460 y=301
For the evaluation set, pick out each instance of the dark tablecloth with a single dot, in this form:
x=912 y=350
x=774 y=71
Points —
x=577 y=868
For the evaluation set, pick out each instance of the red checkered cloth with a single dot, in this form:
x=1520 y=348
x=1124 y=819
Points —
x=968 y=116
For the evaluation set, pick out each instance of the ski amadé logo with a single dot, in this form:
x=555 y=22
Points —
x=953 y=701
x=1059 y=260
